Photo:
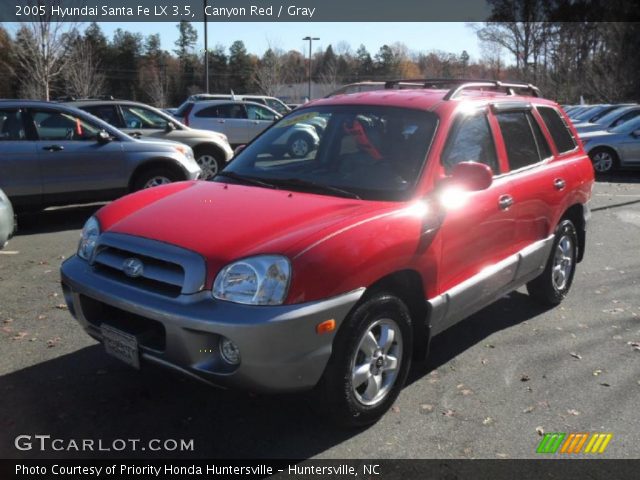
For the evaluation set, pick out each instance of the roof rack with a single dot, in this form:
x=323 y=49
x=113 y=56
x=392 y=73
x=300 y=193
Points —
x=457 y=85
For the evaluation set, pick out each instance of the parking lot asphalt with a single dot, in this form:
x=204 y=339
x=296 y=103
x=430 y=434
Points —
x=492 y=384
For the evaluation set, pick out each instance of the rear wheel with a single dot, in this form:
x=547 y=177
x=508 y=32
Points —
x=604 y=160
x=154 y=177
x=554 y=283
x=369 y=364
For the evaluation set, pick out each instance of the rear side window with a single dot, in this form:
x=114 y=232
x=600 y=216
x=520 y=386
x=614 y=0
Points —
x=11 y=125
x=470 y=141
x=558 y=129
x=107 y=113
x=209 y=112
x=520 y=141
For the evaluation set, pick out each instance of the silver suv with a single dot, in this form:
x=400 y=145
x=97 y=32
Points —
x=211 y=149
x=7 y=222
x=53 y=154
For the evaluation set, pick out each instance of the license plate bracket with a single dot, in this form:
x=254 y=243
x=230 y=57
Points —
x=121 y=345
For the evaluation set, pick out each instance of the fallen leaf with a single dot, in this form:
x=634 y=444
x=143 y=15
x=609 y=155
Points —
x=449 y=413
x=597 y=372
x=528 y=410
x=635 y=345
x=8 y=320
x=487 y=421
x=19 y=335
x=575 y=355
x=41 y=317
x=62 y=306
x=395 y=409
x=540 y=431
x=488 y=345
x=574 y=412
x=52 y=342
x=426 y=408
x=459 y=386
x=466 y=391
x=502 y=455
x=484 y=361
x=605 y=384
x=524 y=378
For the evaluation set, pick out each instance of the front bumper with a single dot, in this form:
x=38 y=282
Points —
x=279 y=348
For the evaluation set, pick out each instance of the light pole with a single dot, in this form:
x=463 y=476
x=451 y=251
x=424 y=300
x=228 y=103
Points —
x=310 y=39
x=206 y=50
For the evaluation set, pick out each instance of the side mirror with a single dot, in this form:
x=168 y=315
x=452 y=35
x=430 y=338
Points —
x=170 y=127
x=103 y=137
x=238 y=149
x=472 y=176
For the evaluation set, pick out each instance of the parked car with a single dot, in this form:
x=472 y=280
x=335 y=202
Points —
x=616 y=148
x=53 y=154
x=610 y=120
x=331 y=272
x=271 y=102
x=7 y=220
x=211 y=149
x=242 y=121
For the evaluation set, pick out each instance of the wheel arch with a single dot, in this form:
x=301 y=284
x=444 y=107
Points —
x=206 y=145
x=408 y=286
x=576 y=213
x=169 y=164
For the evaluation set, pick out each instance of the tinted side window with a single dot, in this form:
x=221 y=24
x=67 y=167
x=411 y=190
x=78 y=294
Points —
x=107 y=113
x=558 y=129
x=519 y=140
x=11 y=125
x=470 y=141
x=543 y=146
x=232 y=110
x=210 y=112
x=52 y=125
x=625 y=118
x=255 y=112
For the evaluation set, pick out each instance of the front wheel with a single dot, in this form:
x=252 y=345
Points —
x=300 y=145
x=369 y=364
x=604 y=160
x=154 y=177
x=210 y=161
x=554 y=283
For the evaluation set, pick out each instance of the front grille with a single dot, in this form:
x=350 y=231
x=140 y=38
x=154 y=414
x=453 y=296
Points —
x=167 y=270
x=159 y=276
x=150 y=333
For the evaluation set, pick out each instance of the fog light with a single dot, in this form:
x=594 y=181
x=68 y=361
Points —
x=229 y=351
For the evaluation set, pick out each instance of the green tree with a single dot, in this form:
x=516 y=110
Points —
x=241 y=68
x=364 y=63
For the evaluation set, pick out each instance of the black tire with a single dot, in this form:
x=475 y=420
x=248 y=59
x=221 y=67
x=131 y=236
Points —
x=146 y=176
x=604 y=160
x=210 y=160
x=299 y=145
x=548 y=288
x=335 y=395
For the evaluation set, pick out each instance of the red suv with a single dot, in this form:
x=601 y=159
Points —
x=417 y=208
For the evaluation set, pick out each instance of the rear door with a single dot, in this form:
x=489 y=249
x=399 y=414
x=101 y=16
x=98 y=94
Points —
x=71 y=158
x=539 y=181
x=260 y=118
x=228 y=118
x=19 y=167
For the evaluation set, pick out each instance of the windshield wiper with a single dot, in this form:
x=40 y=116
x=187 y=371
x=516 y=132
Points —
x=297 y=182
x=245 y=179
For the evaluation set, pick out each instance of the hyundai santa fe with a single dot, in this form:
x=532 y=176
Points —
x=332 y=271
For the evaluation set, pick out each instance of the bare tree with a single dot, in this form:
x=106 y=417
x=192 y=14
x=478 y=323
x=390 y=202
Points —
x=269 y=74
x=81 y=75
x=154 y=77
x=41 y=53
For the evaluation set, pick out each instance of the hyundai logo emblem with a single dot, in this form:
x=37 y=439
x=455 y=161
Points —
x=132 y=267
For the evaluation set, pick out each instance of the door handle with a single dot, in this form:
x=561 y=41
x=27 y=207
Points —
x=220 y=121
x=255 y=122
x=53 y=148
x=559 y=184
x=505 y=201
x=136 y=134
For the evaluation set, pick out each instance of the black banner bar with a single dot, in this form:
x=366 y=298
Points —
x=314 y=10
x=534 y=469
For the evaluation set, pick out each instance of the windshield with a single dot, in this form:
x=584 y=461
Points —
x=627 y=127
x=368 y=152
x=610 y=117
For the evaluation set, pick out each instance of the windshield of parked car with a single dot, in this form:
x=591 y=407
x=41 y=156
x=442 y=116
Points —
x=627 y=127
x=614 y=116
x=368 y=152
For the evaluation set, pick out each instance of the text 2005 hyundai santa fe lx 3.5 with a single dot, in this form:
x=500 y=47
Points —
x=414 y=208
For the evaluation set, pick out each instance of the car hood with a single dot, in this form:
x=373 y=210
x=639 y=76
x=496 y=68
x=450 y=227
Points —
x=224 y=222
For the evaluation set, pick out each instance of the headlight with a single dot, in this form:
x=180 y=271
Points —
x=186 y=151
x=261 y=280
x=90 y=233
